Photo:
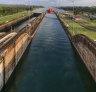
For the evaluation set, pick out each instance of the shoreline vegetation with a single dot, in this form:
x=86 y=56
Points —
x=80 y=21
x=9 y=13
x=9 y=18
x=77 y=28
x=11 y=9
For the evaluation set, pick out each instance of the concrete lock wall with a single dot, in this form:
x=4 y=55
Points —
x=1 y=72
x=15 y=22
x=8 y=62
x=12 y=51
x=85 y=48
x=21 y=45
x=88 y=57
x=11 y=57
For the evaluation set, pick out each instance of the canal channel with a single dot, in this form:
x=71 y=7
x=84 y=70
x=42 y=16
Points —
x=51 y=64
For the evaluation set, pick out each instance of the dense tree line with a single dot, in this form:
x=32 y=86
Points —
x=78 y=10
x=7 y=10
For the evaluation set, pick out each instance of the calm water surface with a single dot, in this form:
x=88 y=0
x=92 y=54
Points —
x=50 y=64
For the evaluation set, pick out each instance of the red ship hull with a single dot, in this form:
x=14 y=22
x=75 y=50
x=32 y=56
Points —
x=51 y=10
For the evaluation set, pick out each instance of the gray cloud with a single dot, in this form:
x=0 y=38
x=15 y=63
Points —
x=51 y=2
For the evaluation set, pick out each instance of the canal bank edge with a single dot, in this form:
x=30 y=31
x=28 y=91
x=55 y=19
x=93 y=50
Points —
x=85 y=47
x=15 y=22
x=11 y=53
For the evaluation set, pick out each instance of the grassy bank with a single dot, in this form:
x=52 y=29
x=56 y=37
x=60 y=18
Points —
x=88 y=23
x=11 y=9
x=12 y=17
x=11 y=12
x=75 y=28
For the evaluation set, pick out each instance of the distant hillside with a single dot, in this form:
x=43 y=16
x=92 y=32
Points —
x=10 y=9
x=79 y=9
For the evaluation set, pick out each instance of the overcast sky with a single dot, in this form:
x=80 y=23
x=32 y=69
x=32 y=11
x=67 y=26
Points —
x=51 y=2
